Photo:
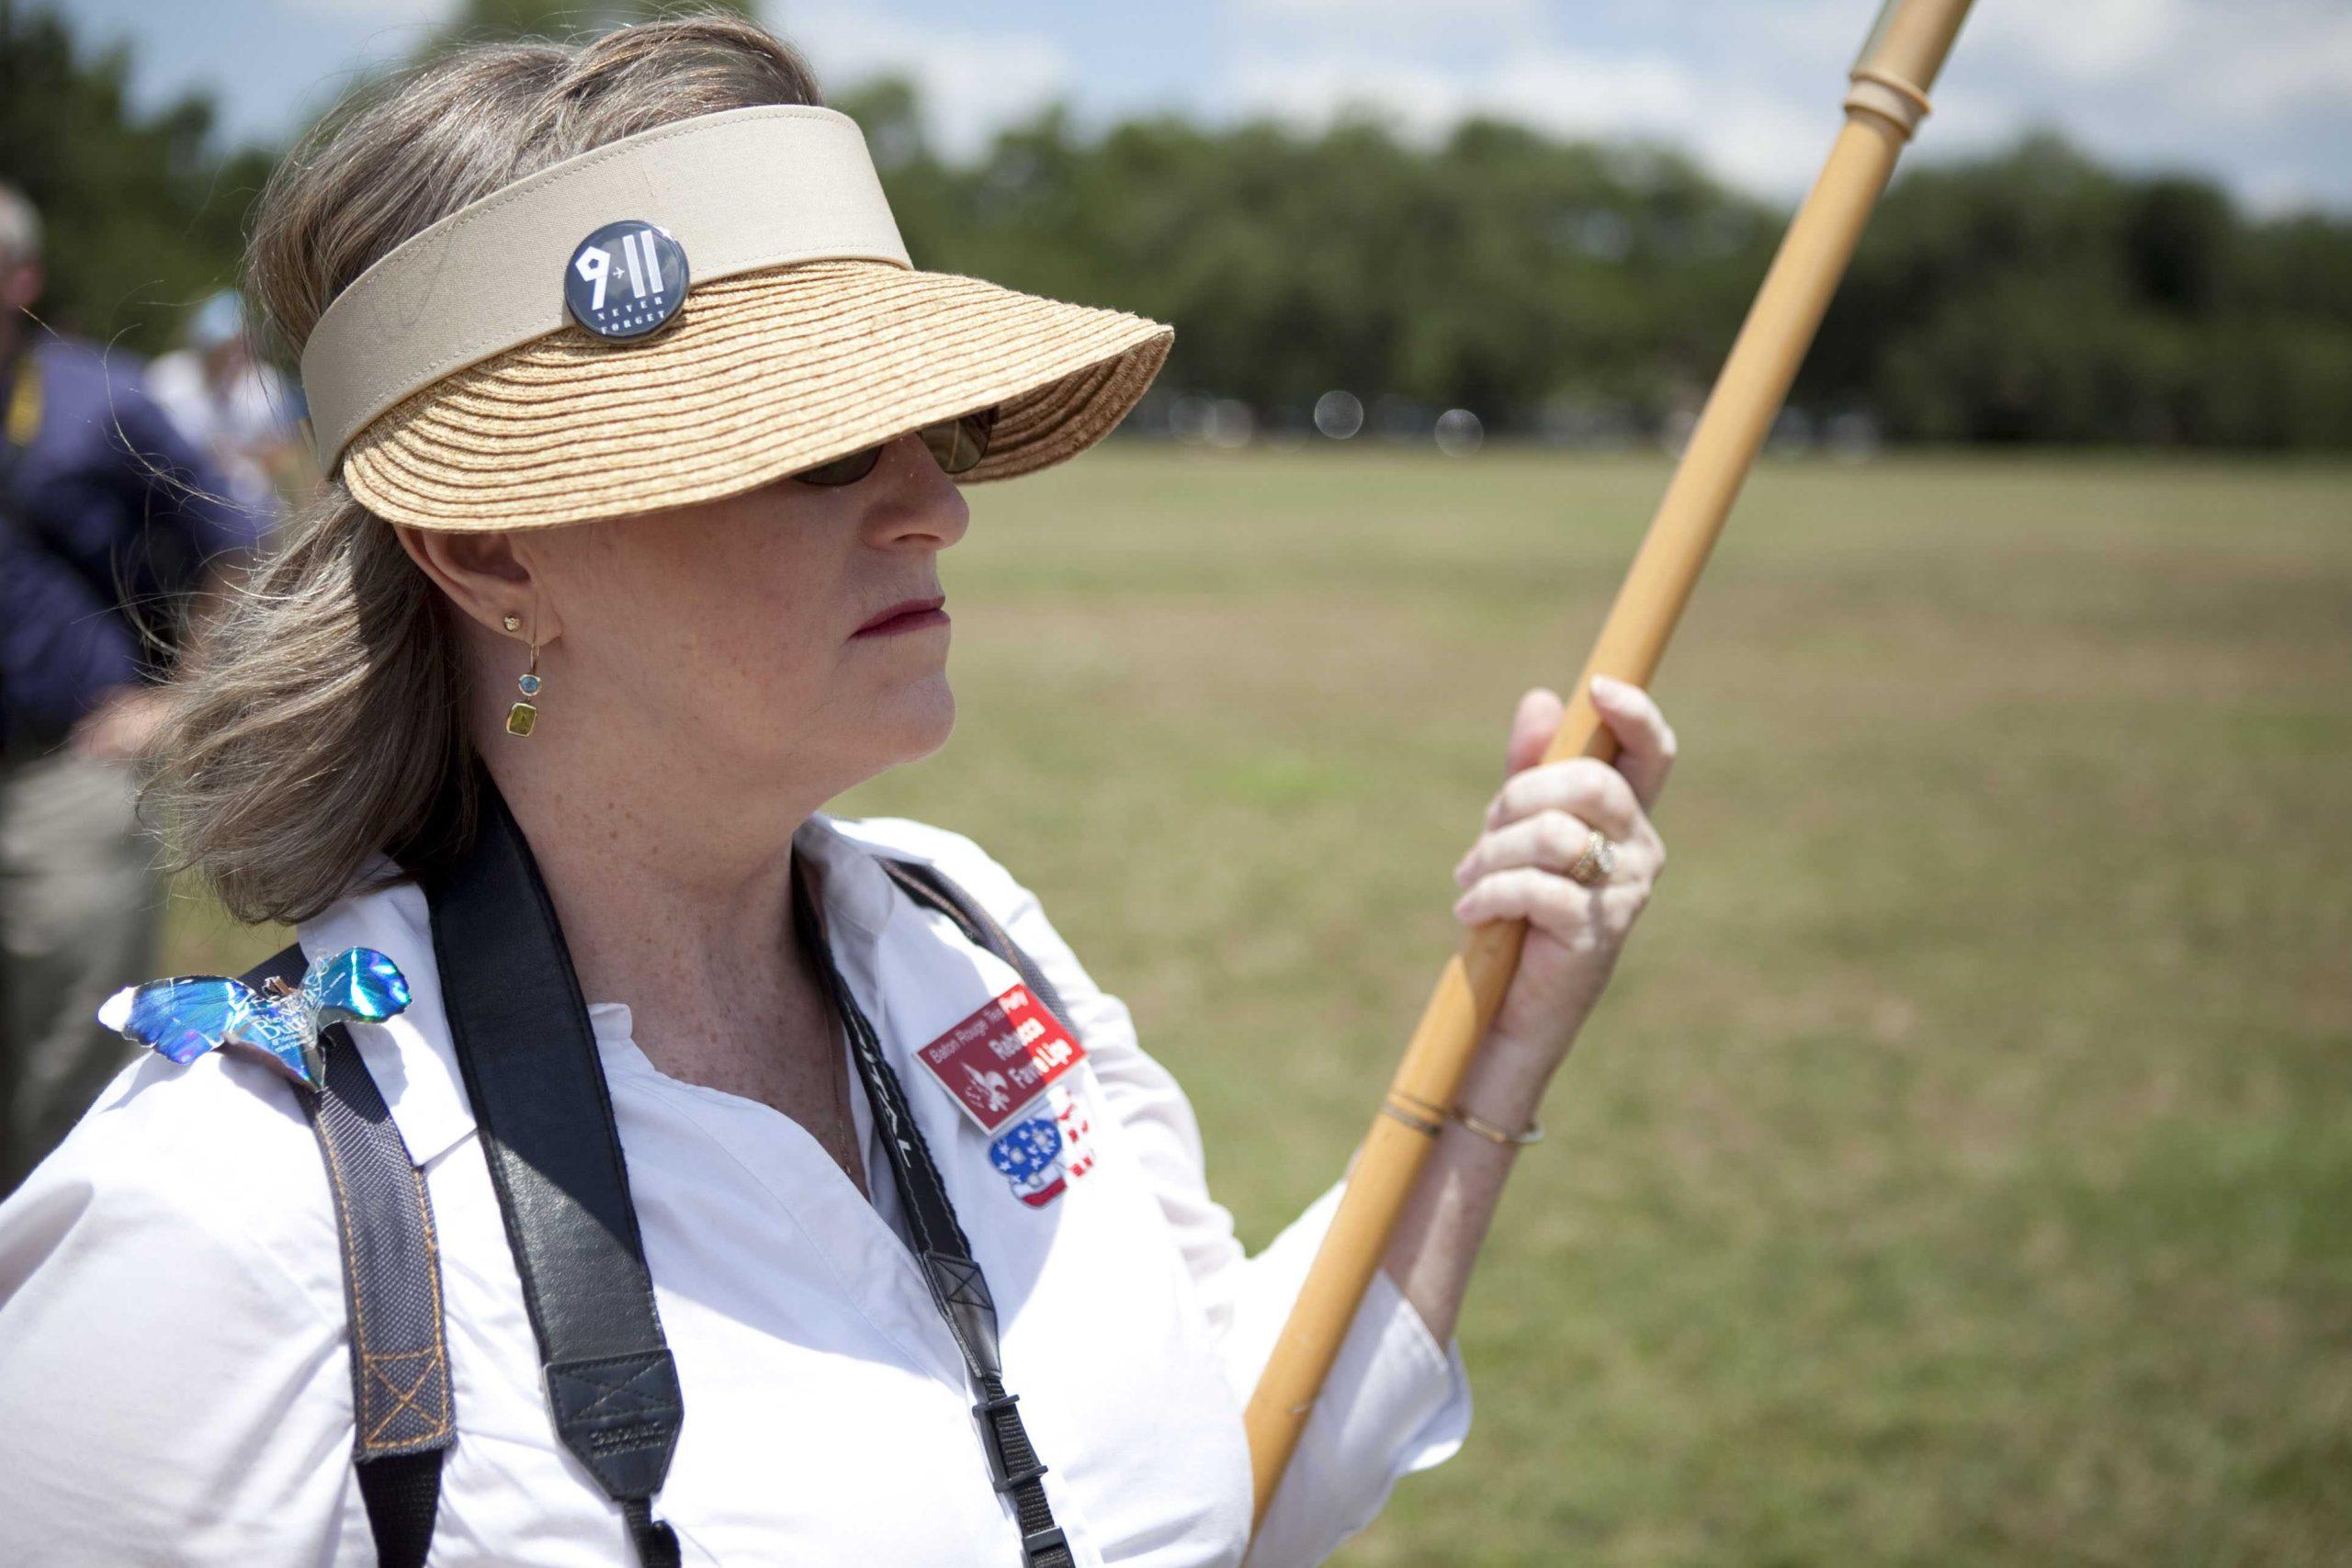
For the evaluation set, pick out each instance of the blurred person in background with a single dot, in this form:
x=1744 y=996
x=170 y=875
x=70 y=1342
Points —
x=228 y=402
x=110 y=520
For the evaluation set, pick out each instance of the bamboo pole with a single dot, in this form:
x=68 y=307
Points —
x=1888 y=97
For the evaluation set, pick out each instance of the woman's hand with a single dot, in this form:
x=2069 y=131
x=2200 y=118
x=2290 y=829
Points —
x=1536 y=828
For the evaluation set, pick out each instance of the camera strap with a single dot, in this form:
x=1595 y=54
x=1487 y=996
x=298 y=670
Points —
x=957 y=1288
x=545 y=1116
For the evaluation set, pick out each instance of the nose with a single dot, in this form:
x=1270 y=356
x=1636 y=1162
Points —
x=917 y=506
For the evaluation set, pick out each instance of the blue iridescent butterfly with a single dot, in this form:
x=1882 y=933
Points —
x=184 y=1017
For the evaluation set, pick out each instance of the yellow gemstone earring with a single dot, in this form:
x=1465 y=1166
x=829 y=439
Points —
x=523 y=717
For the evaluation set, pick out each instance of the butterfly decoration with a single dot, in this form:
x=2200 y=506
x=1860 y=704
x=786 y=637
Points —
x=184 y=1017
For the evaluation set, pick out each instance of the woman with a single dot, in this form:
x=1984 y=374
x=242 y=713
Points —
x=569 y=780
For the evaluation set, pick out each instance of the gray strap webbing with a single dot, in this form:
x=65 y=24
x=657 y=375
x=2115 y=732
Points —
x=403 y=1414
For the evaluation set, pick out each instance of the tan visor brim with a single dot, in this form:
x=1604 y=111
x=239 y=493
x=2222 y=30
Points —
x=760 y=375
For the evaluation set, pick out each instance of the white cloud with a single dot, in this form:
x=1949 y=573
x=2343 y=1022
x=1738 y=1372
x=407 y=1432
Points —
x=1742 y=129
x=971 y=80
x=382 y=13
x=2083 y=40
x=2247 y=83
x=1753 y=139
x=2242 y=62
x=2257 y=91
x=1394 y=16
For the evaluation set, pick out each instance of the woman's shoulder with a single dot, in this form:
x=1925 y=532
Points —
x=171 y=1319
x=972 y=867
x=190 y=1170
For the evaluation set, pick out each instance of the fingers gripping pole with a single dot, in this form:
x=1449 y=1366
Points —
x=1899 y=63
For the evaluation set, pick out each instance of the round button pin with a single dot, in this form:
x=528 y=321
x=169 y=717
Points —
x=626 y=280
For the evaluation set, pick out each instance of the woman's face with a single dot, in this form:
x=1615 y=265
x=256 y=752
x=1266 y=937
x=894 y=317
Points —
x=722 y=640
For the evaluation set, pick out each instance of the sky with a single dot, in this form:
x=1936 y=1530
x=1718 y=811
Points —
x=2256 y=94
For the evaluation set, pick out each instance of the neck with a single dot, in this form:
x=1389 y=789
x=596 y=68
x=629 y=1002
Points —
x=674 y=892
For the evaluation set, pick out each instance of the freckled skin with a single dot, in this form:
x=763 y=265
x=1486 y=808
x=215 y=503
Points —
x=703 y=693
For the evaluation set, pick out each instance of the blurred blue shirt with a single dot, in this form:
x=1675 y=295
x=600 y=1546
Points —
x=108 y=518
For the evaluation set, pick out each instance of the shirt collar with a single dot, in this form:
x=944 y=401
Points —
x=411 y=1057
x=856 y=890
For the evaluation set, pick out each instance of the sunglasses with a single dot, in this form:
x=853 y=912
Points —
x=956 y=444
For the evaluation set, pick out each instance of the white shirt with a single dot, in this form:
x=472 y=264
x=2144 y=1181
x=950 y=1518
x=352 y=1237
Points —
x=174 y=1366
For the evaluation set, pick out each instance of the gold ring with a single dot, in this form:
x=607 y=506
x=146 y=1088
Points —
x=1598 y=859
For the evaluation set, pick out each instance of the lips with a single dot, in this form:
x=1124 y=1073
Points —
x=906 y=615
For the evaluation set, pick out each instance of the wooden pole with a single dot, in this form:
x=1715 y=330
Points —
x=1888 y=97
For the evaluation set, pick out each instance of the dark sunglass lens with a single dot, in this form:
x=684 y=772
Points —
x=959 y=444
x=843 y=470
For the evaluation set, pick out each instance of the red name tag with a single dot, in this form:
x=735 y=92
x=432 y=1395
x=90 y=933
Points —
x=1001 y=1057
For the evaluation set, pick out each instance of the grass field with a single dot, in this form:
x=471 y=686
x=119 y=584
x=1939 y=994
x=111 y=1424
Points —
x=1961 y=1168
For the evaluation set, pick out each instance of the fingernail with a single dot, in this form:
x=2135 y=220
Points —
x=1607 y=685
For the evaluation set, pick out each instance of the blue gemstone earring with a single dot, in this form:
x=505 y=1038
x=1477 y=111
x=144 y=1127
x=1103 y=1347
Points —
x=523 y=715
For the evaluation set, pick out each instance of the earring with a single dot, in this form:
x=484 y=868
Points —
x=512 y=622
x=523 y=717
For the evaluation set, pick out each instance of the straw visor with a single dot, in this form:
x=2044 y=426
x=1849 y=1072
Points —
x=456 y=392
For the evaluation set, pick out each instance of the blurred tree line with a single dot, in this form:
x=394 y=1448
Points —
x=2032 y=295
x=143 y=215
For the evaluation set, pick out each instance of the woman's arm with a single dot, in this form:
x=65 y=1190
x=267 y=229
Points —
x=1399 y=1398
x=1536 y=828
x=1444 y=1223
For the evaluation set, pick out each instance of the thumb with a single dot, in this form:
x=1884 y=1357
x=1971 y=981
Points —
x=1531 y=727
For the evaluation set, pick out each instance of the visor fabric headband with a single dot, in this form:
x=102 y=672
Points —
x=682 y=316
x=738 y=191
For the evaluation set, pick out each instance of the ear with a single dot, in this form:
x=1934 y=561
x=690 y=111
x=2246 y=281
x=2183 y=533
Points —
x=489 y=575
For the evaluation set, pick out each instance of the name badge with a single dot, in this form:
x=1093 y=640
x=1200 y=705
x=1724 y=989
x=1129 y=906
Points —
x=997 y=1061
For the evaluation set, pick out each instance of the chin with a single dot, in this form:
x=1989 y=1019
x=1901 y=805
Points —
x=916 y=719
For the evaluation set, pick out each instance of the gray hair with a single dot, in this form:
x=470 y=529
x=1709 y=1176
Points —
x=19 y=228
x=320 y=717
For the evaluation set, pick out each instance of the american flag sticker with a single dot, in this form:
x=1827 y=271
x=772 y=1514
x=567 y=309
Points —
x=1002 y=1058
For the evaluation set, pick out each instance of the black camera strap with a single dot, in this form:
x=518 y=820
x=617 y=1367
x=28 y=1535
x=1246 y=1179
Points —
x=948 y=1267
x=544 y=1115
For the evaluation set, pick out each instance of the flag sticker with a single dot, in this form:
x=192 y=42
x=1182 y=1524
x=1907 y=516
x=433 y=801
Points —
x=1002 y=1058
x=1031 y=1158
x=1045 y=1152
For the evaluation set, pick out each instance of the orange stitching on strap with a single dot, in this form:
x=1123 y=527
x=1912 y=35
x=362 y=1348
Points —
x=368 y=1358
x=404 y=1399
x=350 y=1248
x=433 y=1278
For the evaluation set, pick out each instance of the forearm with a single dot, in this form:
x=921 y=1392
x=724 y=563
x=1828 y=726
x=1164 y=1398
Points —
x=1538 y=860
x=1444 y=1224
